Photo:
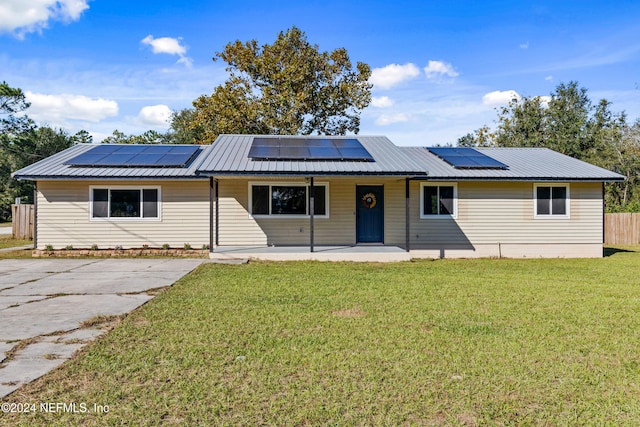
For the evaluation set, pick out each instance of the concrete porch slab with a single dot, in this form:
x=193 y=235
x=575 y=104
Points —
x=358 y=253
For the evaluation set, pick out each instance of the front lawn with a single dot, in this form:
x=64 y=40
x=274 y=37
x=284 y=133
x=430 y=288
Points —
x=6 y=241
x=532 y=342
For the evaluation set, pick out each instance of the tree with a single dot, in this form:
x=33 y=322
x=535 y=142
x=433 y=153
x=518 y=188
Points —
x=567 y=123
x=481 y=137
x=184 y=128
x=21 y=144
x=623 y=156
x=148 y=137
x=24 y=149
x=289 y=87
x=571 y=124
x=522 y=124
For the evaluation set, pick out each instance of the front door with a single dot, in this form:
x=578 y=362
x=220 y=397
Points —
x=370 y=214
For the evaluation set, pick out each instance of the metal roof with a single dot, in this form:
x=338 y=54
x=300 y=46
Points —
x=540 y=164
x=53 y=167
x=230 y=156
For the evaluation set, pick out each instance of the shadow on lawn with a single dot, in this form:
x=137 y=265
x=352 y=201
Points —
x=612 y=251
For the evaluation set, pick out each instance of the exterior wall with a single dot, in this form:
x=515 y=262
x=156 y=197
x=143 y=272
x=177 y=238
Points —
x=63 y=216
x=238 y=228
x=497 y=219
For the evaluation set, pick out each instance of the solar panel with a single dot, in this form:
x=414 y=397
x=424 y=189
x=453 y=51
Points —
x=159 y=156
x=466 y=158
x=341 y=149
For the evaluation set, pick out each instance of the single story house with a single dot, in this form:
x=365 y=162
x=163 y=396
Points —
x=317 y=191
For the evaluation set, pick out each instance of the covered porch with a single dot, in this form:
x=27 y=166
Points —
x=355 y=253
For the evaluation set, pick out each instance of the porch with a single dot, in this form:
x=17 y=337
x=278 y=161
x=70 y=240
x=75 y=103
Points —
x=357 y=253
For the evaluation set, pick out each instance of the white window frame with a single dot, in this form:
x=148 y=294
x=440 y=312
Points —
x=439 y=184
x=288 y=184
x=126 y=187
x=567 y=214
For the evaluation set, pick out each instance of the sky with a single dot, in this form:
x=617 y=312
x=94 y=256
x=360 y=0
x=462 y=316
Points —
x=440 y=69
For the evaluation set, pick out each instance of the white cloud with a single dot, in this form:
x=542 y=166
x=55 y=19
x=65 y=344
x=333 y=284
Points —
x=170 y=46
x=549 y=78
x=167 y=45
x=393 y=74
x=155 y=115
x=27 y=16
x=499 y=97
x=381 y=101
x=438 y=68
x=388 y=119
x=544 y=100
x=57 y=109
x=524 y=45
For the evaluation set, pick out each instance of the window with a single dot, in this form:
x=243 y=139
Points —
x=125 y=203
x=551 y=201
x=438 y=200
x=283 y=199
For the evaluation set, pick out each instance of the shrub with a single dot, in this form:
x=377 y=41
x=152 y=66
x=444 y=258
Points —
x=166 y=246
x=187 y=246
x=69 y=247
x=94 y=247
x=48 y=248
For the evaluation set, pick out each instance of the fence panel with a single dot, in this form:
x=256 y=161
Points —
x=622 y=229
x=23 y=221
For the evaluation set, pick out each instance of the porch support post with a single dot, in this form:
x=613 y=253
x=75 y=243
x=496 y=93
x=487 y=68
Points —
x=311 y=212
x=217 y=200
x=407 y=232
x=35 y=214
x=211 y=220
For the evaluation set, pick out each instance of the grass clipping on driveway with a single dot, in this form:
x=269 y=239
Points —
x=430 y=343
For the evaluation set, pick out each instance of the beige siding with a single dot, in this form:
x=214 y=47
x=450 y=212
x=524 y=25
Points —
x=494 y=219
x=493 y=213
x=237 y=227
x=63 y=216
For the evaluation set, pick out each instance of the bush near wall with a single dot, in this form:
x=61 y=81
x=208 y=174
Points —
x=123 y=253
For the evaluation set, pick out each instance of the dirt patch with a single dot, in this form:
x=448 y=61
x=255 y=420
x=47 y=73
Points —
x=102 y=322
x=11 y=354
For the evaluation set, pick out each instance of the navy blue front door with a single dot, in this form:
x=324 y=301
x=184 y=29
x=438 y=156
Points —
x=370 y=214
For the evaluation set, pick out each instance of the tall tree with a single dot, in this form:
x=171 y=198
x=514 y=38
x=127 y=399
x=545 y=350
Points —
x=288 y=87
x=571 y=124
x=522 y=124
x=184 y=128
x=25 y=148
x=23 y=143
x=568 y=122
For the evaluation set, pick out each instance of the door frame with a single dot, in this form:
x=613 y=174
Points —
x=357 y=201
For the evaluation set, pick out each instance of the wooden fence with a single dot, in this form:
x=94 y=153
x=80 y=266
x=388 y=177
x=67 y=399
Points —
x=622 y=229
x=23 y=221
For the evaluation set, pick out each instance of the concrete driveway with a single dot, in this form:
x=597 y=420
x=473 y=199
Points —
x=43 y=303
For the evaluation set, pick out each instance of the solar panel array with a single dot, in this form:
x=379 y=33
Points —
x=466 y=158
x=151 y=156
x=308 y=149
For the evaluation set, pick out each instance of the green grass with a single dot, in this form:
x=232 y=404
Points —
x=468 y=342
x=6 y=241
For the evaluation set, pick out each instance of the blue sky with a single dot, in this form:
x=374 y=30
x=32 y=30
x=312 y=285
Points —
x=440 y=68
